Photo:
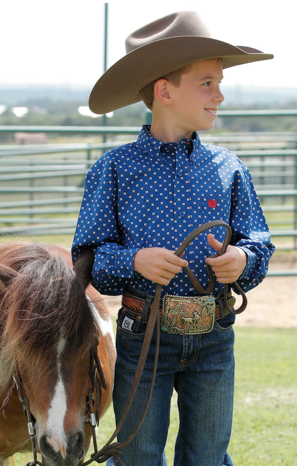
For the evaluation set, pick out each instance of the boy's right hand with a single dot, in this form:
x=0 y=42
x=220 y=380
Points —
x=158 y=264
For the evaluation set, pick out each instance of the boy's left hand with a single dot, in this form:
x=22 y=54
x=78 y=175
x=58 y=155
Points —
x=229 y=266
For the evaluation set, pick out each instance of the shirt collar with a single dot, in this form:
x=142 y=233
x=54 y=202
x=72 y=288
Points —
x=153 y=146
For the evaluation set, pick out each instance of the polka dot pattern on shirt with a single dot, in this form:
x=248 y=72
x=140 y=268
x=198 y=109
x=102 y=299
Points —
x=153 y=194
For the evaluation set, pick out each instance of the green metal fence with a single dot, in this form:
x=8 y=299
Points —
x=41 y=186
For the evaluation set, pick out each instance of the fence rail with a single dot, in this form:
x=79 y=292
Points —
x=41 y=183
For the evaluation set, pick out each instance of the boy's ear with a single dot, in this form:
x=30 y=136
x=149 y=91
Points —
x=161 y=91
x=6 y=275
x=84 y=265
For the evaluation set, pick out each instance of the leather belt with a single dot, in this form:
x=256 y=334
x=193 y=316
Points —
x=136 y=303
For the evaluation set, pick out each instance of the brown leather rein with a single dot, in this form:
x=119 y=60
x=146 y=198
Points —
x=96 y=374
x=115 y=449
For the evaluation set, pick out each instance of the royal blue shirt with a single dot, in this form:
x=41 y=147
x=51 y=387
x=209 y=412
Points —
x=148 y=194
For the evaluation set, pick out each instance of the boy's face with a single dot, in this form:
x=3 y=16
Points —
x=198 y=94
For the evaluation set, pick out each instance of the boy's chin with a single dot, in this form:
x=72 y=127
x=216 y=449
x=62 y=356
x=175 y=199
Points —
x=206 y=127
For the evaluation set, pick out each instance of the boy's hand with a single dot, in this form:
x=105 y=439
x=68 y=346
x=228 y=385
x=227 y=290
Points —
x=229 y=266
x=158 y=264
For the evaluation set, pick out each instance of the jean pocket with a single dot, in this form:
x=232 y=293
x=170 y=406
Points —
x=130 y=324
x=223 y=327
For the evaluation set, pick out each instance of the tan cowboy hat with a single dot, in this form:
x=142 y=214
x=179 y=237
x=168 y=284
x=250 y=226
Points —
x=160 y=47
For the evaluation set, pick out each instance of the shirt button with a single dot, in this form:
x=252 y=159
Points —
x=180 y=173
x=181 y=214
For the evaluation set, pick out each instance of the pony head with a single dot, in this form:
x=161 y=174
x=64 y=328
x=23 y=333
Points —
x=47 y=331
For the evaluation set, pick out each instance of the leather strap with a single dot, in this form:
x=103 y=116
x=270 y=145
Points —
x=114 y=449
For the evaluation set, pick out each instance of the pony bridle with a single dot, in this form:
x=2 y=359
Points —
x=26 y=407
x=97 y=383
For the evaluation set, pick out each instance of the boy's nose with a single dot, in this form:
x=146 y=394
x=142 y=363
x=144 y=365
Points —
x=219 y=97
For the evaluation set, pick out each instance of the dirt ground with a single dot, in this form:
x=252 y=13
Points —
x=271 y=304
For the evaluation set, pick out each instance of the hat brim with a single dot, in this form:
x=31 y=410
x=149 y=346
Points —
x=120 y=84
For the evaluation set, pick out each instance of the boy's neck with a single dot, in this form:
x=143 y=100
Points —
x=169 y=133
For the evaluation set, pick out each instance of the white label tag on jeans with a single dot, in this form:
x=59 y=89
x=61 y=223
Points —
x=127 y=323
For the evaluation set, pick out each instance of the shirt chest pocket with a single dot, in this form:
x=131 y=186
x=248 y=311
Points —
x=212 y=207
x=215 y=208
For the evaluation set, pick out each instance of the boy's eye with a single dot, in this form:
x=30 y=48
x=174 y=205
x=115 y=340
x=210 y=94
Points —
x=209 y=82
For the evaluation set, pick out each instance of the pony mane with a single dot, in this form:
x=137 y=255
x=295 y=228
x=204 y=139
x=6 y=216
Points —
x=44 y=302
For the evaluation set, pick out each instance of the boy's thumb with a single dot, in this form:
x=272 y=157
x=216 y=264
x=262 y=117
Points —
x=214 y=243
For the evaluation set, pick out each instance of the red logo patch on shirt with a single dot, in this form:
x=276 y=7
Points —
x=212 y=203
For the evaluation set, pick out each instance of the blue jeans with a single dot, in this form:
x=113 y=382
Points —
x=201 y=370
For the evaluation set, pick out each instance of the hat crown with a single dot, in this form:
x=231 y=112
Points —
x=183 y=23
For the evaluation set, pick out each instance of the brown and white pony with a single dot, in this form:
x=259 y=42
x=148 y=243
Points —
x=49 y=320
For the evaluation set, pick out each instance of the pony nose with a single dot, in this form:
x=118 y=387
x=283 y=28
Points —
x=70 y=452
x=75 y=444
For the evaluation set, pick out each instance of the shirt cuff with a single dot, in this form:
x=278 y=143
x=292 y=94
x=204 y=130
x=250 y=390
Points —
x=250 y=263
x=119 y=264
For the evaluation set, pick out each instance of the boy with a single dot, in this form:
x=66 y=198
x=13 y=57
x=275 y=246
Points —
x=141 y=201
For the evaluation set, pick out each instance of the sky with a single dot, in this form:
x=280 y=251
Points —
x=61 y=42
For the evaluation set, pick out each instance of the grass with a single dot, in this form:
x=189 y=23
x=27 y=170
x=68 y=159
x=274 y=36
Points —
x=265 y=410
x=60 y=240
x=265 y=413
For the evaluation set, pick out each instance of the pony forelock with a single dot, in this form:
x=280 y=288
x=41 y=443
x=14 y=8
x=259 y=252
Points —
x=44 y=302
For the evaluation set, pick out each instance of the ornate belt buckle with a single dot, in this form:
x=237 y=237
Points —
x=188 y=315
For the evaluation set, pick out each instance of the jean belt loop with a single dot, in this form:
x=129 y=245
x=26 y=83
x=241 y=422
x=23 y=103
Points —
x=223 y=309
x=220 y=301
x=146 y=306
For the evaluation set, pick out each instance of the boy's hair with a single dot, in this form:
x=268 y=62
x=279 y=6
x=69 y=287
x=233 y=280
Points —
x=147 y=92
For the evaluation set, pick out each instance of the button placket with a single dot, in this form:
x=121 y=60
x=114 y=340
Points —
x=183 y=168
